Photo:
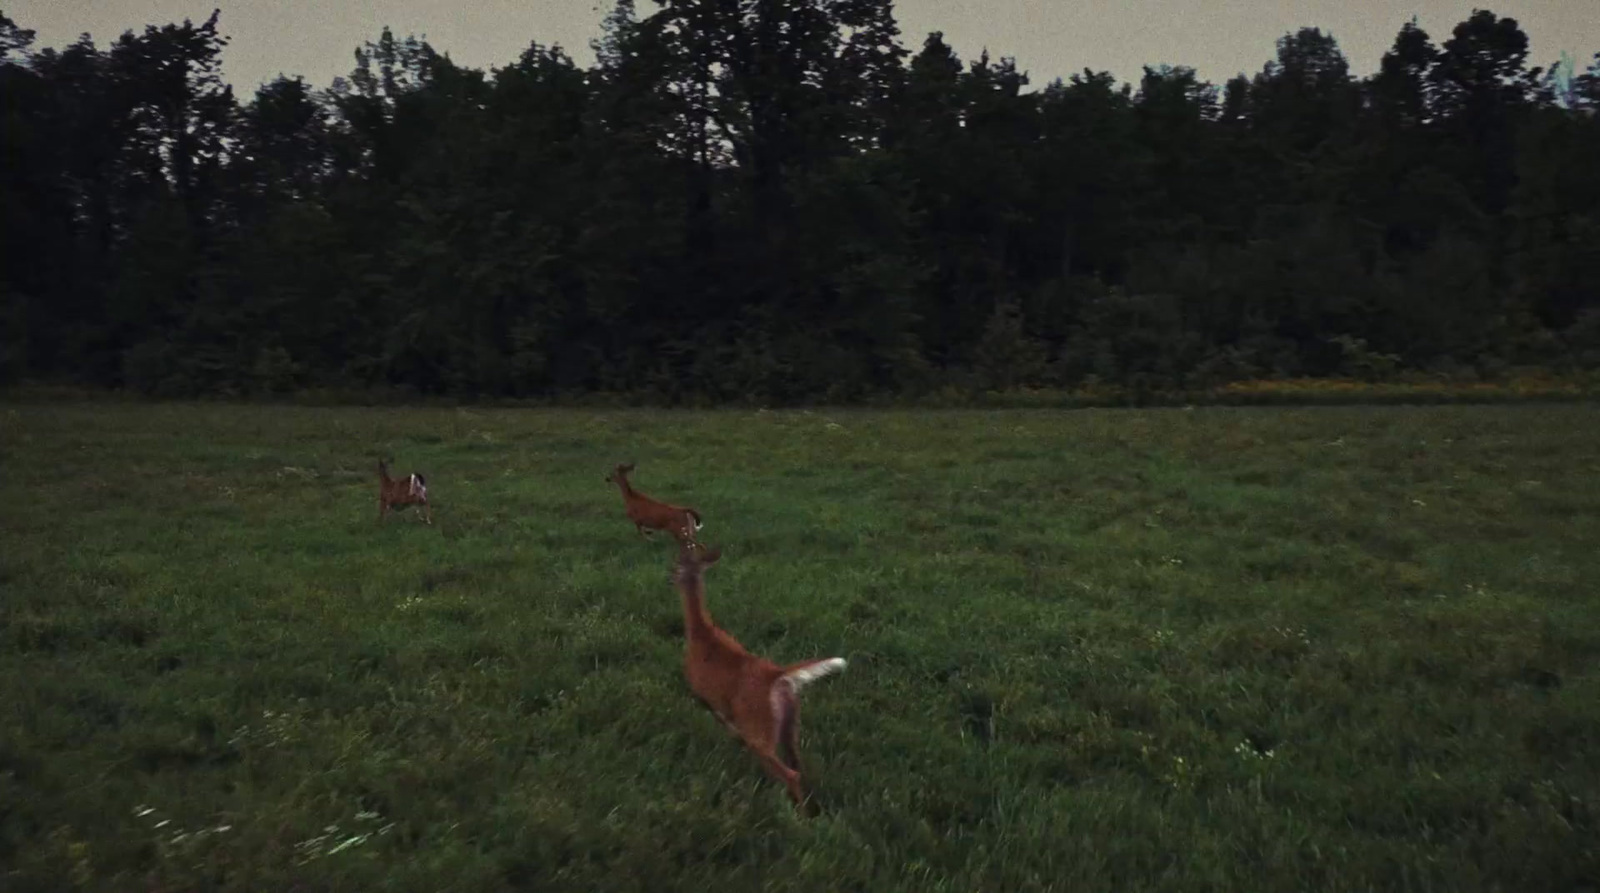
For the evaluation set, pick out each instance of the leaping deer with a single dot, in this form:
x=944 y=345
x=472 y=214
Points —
x=754 y=697
x=649 y=515
x=400 y=492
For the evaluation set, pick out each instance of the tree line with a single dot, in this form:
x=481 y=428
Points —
x=779 y=201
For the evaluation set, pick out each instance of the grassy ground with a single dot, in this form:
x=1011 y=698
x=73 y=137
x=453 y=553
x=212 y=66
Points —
x=1220 y=649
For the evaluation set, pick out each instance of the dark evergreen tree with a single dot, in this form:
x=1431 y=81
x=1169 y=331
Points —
x=775 y=201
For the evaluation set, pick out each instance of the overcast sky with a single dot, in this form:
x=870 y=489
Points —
x=1048 y=38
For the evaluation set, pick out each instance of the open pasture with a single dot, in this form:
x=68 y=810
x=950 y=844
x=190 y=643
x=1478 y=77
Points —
x=1220 y=649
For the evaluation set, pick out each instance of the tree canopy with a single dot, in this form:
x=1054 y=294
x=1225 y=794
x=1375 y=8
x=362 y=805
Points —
x=754 y=200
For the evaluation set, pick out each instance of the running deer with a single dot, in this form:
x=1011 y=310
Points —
x=754 y=697
x=649 y=515
x=401 y=492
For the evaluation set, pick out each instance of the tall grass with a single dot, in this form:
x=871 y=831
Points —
x=1264 y=649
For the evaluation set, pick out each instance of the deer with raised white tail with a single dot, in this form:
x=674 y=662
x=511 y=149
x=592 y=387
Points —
x=649 y=515
x=396 y=493
x=754 y=697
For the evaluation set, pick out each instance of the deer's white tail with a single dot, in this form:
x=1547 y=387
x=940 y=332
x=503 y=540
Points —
x=804 y=674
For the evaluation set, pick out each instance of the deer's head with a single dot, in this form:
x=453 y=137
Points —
x=693 y=559
x=620 y=473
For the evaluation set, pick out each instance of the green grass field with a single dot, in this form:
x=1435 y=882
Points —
x=1220 y=649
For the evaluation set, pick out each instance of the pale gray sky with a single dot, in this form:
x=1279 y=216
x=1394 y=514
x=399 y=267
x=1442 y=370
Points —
x=1049 y=38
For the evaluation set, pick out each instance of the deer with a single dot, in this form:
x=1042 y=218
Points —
x=755 y=698
x=401 y=492
x=649 y=515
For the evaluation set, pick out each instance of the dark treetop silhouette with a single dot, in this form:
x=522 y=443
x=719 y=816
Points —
x=781 y=202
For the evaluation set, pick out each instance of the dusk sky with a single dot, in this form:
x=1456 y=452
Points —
x=1048 y=38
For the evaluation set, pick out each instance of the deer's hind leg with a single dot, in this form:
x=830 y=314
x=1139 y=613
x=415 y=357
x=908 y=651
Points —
x=782 y=754
x=789 y=738
x=789 y=777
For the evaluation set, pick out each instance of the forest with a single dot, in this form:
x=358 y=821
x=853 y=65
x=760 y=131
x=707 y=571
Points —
x=747 y=200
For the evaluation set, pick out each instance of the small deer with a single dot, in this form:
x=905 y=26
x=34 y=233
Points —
x=401 y=492
x=649 y=515
x=754 y=697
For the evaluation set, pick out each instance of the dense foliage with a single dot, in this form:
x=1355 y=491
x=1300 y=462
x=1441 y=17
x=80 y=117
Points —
x=779 y=201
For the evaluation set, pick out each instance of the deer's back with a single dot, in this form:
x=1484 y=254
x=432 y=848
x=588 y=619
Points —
x=720 y=669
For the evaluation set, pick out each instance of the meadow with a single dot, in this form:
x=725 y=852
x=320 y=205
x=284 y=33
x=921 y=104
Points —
x=1333 y=648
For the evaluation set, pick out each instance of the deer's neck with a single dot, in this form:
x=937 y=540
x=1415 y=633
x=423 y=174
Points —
x=696 y=621
x=625 y=487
